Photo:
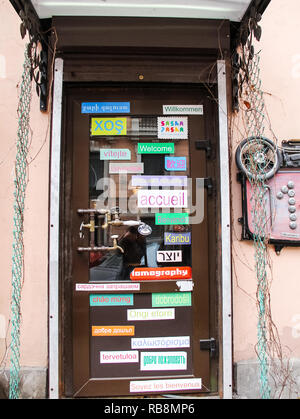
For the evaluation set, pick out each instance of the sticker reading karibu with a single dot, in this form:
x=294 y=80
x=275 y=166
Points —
x=177 y=238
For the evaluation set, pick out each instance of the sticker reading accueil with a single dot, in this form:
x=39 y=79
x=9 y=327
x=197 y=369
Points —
x=108 y=126
x=149 y=198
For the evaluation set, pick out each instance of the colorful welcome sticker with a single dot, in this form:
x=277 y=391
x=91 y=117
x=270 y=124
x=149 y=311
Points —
x=171 y=218
x=177 y=238
x=149 y=180
x=175 y=163
x=172 y=128
x=115 y=154
x=108 y=126
x=113 y=330
x=156 y=148
x=105 y=107
x=97 y=300
x=149 y=198
x=181 y=272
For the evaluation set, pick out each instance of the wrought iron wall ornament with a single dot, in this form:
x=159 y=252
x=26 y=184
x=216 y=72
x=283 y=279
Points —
x=243 y=55
x=37 y=50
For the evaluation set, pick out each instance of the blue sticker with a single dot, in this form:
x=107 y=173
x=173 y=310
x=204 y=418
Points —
x=105 y=107
x=175 y=163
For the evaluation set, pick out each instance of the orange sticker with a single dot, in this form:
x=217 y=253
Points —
x=112 y=330
x=181 y=272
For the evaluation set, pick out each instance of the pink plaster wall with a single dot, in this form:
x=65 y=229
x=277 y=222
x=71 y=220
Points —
x=34 y=292
x=280 y=73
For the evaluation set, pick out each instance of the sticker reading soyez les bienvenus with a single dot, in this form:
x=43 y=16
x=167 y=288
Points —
x=172 y=128
x=172 y=299
x=109 y=126
x=156 y=148
x=105 y=107
x=165 y=385
x=113 y=330
x=151 y=314
x=97 y=300
x=118 y=357
x=180 y=272
x=171 y=218
x=155 y=361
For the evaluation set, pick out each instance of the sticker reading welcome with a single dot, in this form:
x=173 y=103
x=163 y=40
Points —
x=156 y=148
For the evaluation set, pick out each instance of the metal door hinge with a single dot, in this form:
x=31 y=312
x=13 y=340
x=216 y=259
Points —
x=209 y=345
x=208 y=184
x=204 y=145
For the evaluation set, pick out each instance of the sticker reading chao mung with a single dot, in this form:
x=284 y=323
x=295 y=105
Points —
x=172 y=128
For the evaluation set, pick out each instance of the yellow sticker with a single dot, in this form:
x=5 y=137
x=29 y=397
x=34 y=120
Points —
x=109 y=126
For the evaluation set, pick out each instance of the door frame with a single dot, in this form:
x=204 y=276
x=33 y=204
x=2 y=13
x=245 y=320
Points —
x=225 y=345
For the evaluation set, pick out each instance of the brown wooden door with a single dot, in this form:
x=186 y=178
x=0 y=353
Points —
x=132 y=334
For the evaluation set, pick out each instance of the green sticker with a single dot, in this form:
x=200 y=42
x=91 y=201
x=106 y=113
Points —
x=171 y=218
x=156 y=148
x=172 y=299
